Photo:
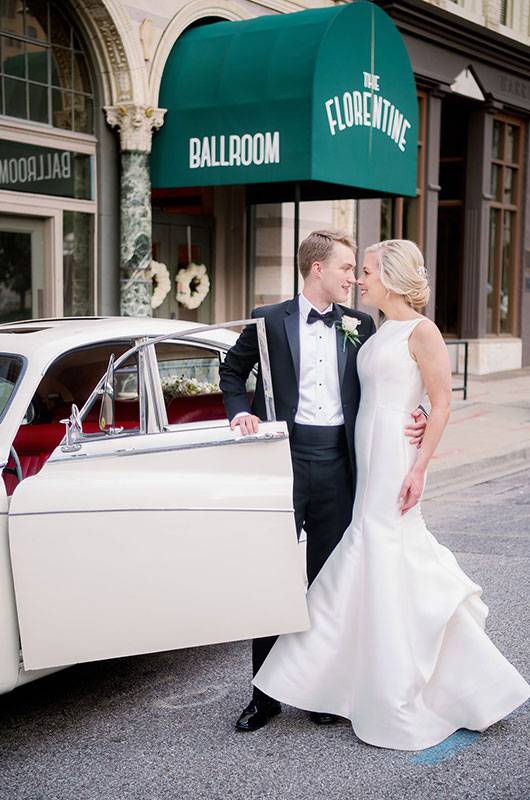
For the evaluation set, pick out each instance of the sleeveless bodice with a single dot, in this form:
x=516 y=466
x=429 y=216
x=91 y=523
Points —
x=388 y=374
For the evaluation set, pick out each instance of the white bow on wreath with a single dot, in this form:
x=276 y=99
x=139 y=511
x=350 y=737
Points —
x=193 y=285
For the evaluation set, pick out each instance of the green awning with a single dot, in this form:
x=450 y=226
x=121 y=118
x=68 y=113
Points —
x=325 y=95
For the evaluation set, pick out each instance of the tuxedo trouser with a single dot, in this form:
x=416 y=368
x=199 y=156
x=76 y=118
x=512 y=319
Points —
x=323 y=503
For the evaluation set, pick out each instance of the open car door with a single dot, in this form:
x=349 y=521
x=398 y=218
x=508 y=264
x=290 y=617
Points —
x=167 y=537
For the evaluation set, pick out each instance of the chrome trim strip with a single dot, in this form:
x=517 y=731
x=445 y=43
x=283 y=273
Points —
x=265 y=369
x=265 y=437
x=142 y=390
x=151 y=510
x=155 y=388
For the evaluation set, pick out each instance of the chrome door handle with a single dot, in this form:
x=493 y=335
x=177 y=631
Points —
x=262 y=437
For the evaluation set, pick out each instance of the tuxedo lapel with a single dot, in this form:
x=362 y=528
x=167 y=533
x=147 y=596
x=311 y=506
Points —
x=292 y=330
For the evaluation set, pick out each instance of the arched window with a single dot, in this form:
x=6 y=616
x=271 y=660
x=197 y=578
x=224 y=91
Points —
x=44 y=68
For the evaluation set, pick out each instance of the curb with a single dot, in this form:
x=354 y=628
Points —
x=463 y=476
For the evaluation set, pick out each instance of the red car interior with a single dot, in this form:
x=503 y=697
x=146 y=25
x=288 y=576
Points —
x=35 y=443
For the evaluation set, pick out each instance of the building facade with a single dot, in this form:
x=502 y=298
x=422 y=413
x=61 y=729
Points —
x=79 y=224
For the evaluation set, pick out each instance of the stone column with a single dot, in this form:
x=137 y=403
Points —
x=136 y=124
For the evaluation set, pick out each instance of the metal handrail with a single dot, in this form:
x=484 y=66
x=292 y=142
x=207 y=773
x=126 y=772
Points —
x=458 y=342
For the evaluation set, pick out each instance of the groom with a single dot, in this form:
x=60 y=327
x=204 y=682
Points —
x=316 y=391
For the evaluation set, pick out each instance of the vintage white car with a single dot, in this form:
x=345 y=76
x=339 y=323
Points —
x=140 y=523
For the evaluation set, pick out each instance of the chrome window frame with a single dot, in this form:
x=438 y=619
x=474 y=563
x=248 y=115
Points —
x=153 y=414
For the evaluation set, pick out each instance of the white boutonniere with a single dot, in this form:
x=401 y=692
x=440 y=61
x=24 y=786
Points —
x=348 y=326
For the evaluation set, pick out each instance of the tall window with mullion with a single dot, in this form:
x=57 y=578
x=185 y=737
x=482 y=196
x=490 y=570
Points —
x=44 y=72
x=504 y=233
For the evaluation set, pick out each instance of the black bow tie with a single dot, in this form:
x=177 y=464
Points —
x=329 y=318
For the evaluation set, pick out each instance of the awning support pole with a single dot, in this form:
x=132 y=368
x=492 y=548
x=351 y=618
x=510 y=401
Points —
x=296 y=236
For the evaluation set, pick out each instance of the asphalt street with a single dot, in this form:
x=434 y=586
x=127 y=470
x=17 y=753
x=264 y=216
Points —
x=161 y=726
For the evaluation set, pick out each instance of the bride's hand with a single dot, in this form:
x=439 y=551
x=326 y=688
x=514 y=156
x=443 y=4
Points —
x=411 y=489
x=416 y=430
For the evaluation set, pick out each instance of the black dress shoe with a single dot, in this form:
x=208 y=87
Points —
x=323 y=719
x=257 y=714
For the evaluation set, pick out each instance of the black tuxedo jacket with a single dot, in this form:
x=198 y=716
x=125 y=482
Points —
x=282 y=323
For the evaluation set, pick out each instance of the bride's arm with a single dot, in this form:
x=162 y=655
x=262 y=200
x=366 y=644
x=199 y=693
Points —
x=428 y=348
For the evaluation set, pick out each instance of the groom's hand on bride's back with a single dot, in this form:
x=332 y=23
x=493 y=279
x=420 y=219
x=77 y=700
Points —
x=248 y=424
x=416 y=429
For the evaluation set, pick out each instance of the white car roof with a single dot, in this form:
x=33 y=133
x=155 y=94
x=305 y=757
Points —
x=45 y=339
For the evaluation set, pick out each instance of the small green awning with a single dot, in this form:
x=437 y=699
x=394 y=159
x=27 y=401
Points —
x=325 y=95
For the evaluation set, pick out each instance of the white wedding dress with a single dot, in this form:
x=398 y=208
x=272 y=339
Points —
x=397 y=642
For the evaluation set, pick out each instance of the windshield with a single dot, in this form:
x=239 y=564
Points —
x=10 y=371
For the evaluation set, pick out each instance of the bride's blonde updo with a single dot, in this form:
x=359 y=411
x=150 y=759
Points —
x=402 y=270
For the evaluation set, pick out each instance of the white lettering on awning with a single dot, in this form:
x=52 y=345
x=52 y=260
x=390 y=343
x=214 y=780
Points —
x=234 y=150
x=368 y=110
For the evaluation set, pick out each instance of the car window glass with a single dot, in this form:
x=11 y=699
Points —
x=73 y=376
x=190 y=382
x=69 y=379
x=10 y=369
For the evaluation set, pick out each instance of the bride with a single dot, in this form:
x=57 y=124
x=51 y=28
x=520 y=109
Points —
x=397 y=642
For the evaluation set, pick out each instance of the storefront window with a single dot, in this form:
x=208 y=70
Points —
x=503 y=266
x=43 y=69
x=78 y=264
x=402 y=217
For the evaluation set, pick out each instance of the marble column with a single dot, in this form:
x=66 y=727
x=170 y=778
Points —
x=136 y=124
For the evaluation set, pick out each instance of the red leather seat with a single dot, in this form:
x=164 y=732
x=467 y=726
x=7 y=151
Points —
x=126 y=410
x=35 y=443
x=196 y=408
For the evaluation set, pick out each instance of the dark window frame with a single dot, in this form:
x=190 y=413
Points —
x=499 y=207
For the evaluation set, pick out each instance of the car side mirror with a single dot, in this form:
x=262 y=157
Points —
x=107 y=411
x=74 y=431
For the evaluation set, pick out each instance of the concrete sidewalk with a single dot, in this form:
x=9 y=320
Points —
x=488 y=434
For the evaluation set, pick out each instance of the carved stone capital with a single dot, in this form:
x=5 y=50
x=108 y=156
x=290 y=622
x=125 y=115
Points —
x=136 y=124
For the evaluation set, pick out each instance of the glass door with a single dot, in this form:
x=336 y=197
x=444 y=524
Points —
x=22 y=258
x=179 y=240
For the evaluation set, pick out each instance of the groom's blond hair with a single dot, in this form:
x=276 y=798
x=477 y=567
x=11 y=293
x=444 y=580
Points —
x=318 y=246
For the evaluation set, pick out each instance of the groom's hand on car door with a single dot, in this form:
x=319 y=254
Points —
x=248 y=424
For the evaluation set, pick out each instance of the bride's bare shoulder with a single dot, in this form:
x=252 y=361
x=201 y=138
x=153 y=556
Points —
x=426 y=339
x=426 y=328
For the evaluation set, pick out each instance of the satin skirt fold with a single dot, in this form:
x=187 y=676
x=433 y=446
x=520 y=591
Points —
x=397 y=642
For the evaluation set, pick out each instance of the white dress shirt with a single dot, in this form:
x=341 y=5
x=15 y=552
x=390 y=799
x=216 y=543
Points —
x=319 y=390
